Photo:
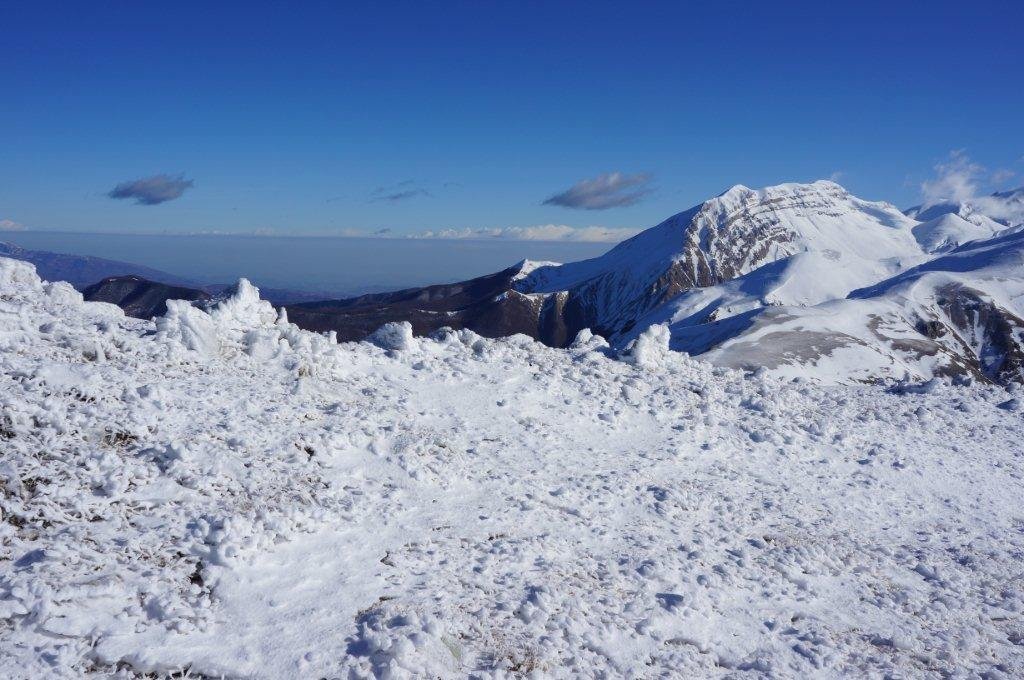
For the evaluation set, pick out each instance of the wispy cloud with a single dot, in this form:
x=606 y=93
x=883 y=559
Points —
x=11 y=225
x=956 y=180
x=395 y=193
x=1002 y=176
x=959 y=180
x=402 y=195
x=543 y=232
x=152 y=190
x=610 y=190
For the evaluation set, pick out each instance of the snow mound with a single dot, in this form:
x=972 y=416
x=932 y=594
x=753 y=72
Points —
x=651 y=348
x=586 y=341
x=15 y=273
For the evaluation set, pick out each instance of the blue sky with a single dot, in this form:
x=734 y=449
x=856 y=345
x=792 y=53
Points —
x=423 y=116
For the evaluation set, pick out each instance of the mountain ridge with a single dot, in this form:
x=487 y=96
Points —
x=725 y=274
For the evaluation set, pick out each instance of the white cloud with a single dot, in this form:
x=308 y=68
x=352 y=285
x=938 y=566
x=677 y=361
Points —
x=959 y=180
x=543 y=232
x=956 y=180
x=540 y=232
x=1002 y=175
x=11 y=225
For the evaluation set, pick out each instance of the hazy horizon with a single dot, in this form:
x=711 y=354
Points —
x=337 y=265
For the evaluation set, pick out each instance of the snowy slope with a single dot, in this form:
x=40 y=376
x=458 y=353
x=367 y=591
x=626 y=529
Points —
x=804 y=279
x=958 y=314
x=224 y=494
x=949 y=230
x=724 y=238
x=785 y=259
x=1004 y=208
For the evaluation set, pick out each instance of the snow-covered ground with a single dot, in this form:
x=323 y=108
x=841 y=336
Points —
x=226 y=495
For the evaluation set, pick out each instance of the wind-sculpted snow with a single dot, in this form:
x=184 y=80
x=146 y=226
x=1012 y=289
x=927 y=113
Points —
x=222 y=494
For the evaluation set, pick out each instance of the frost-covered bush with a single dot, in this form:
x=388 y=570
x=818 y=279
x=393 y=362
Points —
x=396 y=335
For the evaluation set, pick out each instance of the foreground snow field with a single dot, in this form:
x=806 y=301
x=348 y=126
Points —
x=226 y=495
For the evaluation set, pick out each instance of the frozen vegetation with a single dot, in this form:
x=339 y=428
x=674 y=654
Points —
x=219 y=493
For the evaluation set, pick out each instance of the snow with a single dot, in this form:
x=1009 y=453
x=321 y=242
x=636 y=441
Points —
x=804 y=279
x=223 y=494
x=730 y=236
x=1001 y=209
x=527 y=267
x=395 y=336
x=949 y=230
x=781 y=279
x=651 y=347
x=874 y=334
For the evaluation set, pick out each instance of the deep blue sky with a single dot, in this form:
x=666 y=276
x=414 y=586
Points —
x=301 y=117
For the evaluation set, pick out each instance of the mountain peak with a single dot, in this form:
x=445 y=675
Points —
x=745 y=193
x=524 y=268
x=725 y=237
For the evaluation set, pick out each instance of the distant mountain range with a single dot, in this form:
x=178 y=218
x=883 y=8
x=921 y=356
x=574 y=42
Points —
x=802 y=279
x=142 y=291
x=805 y=280
x=1004 y=208
x=83 y=270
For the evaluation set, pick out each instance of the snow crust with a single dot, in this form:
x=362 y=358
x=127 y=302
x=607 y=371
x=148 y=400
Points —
x=219 y=493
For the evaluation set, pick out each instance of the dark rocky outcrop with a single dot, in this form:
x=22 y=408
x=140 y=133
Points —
x=140 y=297
x=990 y=337
x=488 y=305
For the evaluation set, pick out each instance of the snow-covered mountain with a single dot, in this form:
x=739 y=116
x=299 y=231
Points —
x=809 y=280
x=945 y=231
x=797 y=278
x=821 y=225
x=1004 y=208
x=961 y=314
